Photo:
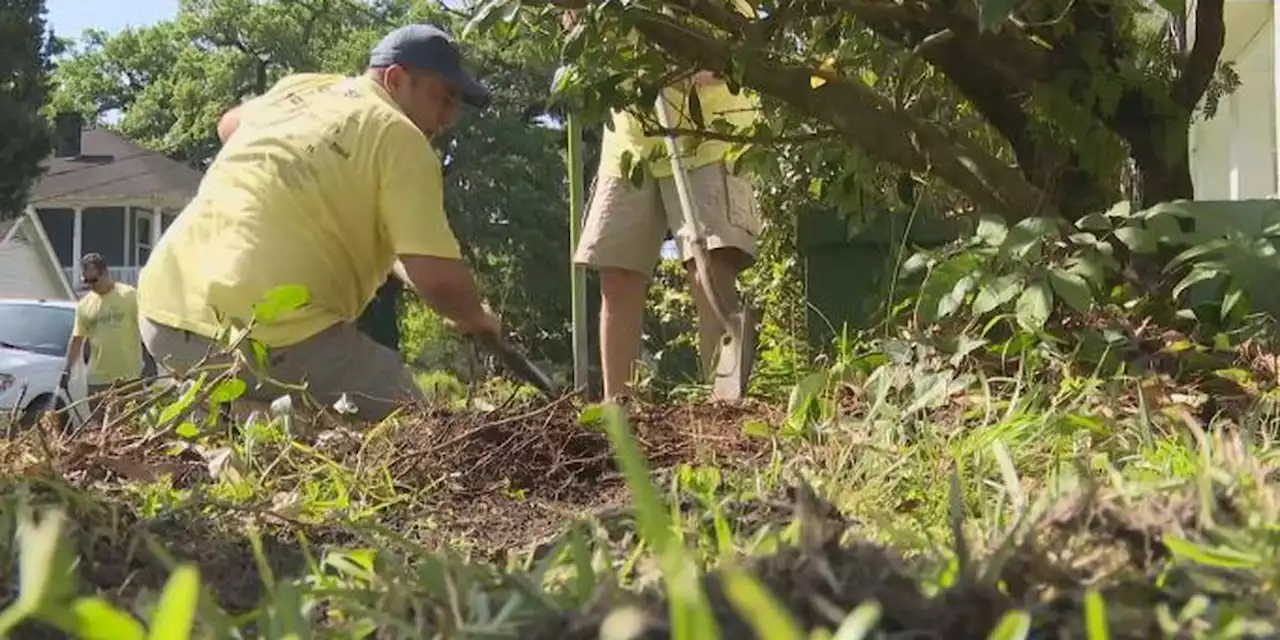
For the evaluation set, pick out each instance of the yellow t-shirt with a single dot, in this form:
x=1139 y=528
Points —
x=110 y=324
x=717 y=102
x=324 y=183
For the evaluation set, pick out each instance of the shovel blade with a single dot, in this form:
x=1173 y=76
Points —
x=736 y=360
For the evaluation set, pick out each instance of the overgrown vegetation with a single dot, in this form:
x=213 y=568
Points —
x=1059 y=423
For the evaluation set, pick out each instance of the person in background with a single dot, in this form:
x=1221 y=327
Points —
x=626 y=224
x=330 y=184
x=107 y=319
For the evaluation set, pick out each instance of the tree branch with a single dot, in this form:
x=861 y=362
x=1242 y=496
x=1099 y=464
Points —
x=1201 y=63
x=861 y=116
x=705 y=134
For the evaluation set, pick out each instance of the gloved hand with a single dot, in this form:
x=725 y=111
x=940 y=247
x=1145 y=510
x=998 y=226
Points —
x=63 y=378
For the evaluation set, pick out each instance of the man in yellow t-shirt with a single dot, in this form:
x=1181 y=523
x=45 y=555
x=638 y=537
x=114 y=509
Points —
x=329 y=183
x=107 y=318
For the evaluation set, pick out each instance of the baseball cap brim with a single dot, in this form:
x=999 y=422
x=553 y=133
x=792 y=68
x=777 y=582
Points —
x=473 y=93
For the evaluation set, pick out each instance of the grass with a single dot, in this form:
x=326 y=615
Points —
x=879 y=496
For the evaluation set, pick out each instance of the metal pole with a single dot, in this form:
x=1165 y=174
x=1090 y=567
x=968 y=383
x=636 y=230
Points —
x=577 y=274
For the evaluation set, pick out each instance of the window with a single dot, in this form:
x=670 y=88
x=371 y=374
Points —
x=103 y=230
x=60 y=226
x=36 y=327
x=142 y=221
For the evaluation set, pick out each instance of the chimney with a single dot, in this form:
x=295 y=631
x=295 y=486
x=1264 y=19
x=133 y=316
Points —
x=67 y=127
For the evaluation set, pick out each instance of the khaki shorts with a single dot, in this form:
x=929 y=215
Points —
x=335 y=361
x=626 y=225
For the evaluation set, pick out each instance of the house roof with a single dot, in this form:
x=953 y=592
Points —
x=111 y=167
x=32 y=234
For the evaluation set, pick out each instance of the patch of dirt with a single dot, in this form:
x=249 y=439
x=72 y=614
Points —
x=487 y=483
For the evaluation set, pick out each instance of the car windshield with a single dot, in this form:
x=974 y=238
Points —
x=35 y=328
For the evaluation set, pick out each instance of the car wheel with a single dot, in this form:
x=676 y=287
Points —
x=31 y=415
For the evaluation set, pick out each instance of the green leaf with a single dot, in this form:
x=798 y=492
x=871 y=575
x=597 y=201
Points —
x=1220 y=557
x=1027 y=235
x=484 y=17
x=952 y=301
x=563 y=79
x=187 y=430
x=992 y=230
x=176 y=611
x=43 y=566
x=279 y=300
x=98 y=620
x=757 y=429
x=1121 y=210
x=1014 y=625
x=593 y=414
x=1138 y=240
x=805 y=392
x=1095 y=616
x=1071 y=288
x=1033 y=306
x=1094 y=222
x=860 y=622
x=1229 y=301
x=182 y=403
x=754 y=603
x=996 y=293
x=227 y=391
x=1200 y=273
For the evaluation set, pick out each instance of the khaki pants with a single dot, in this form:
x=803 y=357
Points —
x=626 y=225
x=335 y=361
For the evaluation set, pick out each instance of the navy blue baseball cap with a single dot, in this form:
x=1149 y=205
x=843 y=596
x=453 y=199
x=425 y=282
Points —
x=428 y=48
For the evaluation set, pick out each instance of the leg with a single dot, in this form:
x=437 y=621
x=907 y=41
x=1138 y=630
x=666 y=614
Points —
x=725 y=208
x=622 y=238
x=622 y=297
x=725 y=266
x=343 y=361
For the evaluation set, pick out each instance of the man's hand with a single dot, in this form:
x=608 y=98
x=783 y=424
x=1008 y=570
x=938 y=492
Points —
x=482 y=325
x=448 y=287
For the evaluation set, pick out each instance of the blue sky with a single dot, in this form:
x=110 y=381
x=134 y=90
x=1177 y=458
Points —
x=69 y=18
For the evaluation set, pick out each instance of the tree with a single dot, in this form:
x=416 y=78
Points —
x=505 y=192
x=1064 y=93
x=24 y=68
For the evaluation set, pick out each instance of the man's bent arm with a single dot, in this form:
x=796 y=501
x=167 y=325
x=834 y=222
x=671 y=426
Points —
x=446 y=285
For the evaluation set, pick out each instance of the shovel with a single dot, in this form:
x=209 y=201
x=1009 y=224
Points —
x=736 y=354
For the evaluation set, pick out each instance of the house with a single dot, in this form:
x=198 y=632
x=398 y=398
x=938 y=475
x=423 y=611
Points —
x=28 y=265
x=101 y=193
x=1233 y=155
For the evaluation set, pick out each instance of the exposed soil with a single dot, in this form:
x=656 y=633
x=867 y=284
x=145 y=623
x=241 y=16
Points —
x=487 y=484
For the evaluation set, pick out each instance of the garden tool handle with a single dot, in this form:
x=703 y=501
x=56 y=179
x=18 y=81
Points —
x=690 y=229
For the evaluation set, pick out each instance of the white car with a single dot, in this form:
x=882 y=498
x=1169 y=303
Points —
x=33 y=348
